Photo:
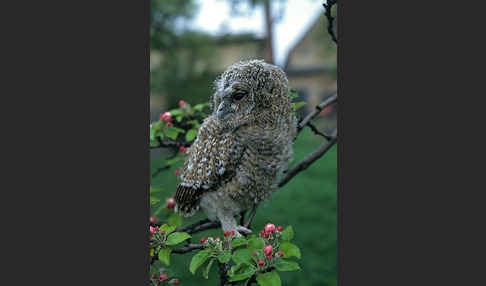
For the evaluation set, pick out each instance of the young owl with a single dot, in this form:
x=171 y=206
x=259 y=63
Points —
x=242 y=148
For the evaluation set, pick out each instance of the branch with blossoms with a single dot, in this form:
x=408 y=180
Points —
x=178 y=129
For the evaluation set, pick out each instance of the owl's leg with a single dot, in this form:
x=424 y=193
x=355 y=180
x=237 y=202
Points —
x=228 y=223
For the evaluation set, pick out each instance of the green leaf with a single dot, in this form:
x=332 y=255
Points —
x=287 y=234
x=174 y=160
x=154 y=143
x=299 y=104
x=175 y=112
x=201 y=106
x=224 y=256
x=286 y=265
x=238 y=241
x=194 y=123
x=199 y=259
x=152 y=134
x=179 y=118
x=241 y=272
x=176 y=238
x=167 y=228
x=208 y=268
x=175 y=220
x=255 y=243
x=154 y=190
x=164 y=255
x=242 y=256
x=294 y=94
x=153 y=201
x=191 y=134
x=289 y=250
x=172 y=132
x=269 y=279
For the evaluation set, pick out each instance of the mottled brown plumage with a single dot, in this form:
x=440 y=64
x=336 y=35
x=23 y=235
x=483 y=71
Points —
x=242 y=147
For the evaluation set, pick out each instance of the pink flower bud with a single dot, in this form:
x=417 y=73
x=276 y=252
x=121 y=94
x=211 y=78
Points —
x=217 y=239
x=182 y=103
x=270 y=228
x=227 y=233
x=169 y=124
x=233 y=232
x=261 y=262
x=175 y=281
x=154 y=275
x=266 y=234
x=182 y=149
x=157 y=281
x=177 y=172
x=166 y=116
x=162 y=232
x=280 y=253
x=268 y=250
x=255 y=254
x=163 y=277
x=152 y=229
x=203 y=240
x=170 y=203
x=153 y=219
x=279 y=228
x=262 y=233
x=269 y=257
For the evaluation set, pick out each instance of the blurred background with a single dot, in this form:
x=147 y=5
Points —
x=191 y=43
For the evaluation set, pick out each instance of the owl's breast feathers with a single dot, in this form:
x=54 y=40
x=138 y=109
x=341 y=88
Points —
x=212 y=159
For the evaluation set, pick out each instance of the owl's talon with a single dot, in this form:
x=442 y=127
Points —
x=243 y=229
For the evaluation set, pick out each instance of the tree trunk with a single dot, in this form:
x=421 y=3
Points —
x=268 y=49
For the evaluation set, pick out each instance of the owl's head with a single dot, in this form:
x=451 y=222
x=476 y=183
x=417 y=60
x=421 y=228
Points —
x=250 y=90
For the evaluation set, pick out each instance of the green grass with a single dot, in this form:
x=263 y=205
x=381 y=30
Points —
x=308 y=203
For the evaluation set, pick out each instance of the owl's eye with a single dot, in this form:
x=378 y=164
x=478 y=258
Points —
x=239 y=95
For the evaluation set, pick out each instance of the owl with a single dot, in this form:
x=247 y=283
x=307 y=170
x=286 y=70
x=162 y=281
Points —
x=242 y=148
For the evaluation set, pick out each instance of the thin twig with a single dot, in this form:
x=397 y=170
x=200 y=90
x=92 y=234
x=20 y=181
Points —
x=187 y=248
x=223 y=268
x=328 y=101
x=330 y=19
x=163 y=168
x=170 y=144
x=251 y=216
x=192 y=226
x=204 y=226
x=307 y=161
x=316 y=131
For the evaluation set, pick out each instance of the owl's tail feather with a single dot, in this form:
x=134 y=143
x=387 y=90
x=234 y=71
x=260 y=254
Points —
x=187 y=200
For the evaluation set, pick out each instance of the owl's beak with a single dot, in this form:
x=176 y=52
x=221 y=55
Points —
x=223 y=111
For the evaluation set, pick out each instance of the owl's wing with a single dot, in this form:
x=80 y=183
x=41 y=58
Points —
x=212 y=159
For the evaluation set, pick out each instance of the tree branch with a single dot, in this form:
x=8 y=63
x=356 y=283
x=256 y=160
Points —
x=251 y=216
x=316 y=131
x=307 y=161
x=200 y=226
x=160 y=170
x=188 y=248
x=170 y=144
x=329 y=100
x=330 y=19
x=223 y=268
